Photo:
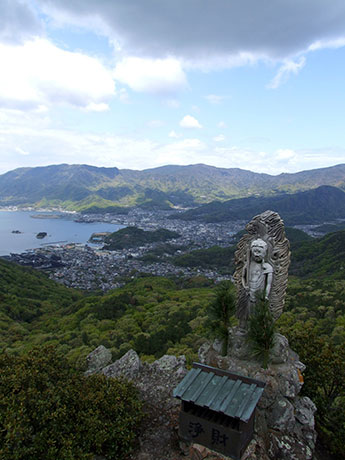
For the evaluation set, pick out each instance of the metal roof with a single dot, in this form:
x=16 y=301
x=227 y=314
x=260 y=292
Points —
x=221 y=391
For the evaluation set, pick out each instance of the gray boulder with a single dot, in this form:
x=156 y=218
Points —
x=170 y=363
x=97 y=360
x=290 y=380
x=280 y=351
x=282 y=415
x=304 y=411
x=155 y=383
x=128 y=366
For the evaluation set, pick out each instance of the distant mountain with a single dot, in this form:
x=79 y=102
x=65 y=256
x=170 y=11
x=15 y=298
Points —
x=310 y=207
x=53 y=183
x=83 y=187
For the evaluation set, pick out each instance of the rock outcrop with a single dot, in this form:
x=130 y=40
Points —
x=155 y=382
x=284 y=424
x=97 y=360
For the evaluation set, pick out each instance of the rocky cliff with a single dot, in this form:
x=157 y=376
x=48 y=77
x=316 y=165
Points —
x=284 y=423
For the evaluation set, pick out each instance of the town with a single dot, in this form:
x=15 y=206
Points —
x=90 y=267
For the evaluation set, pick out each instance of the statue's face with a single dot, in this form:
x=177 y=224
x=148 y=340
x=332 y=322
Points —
x=258 y=249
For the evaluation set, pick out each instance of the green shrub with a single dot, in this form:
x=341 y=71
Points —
x=49 y=411
x=261 y=329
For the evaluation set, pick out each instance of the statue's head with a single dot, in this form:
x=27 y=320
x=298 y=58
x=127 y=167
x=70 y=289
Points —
x=258 y=248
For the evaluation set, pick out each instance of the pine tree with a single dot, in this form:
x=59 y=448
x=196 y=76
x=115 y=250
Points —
x=221 y=311
x=261 y=329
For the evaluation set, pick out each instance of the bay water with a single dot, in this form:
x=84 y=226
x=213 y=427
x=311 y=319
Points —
x=61 y=230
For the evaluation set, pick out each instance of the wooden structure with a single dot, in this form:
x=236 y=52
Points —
x=218 y=409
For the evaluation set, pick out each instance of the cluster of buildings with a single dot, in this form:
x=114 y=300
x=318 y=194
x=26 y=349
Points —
x=192 y=233
x=90 y=267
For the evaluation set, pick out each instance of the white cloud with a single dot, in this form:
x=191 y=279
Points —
x=47 y=145
x=173 y=134
x=190 y=122
x=284 y=72
x=214 y=98
x=219 y=138
x=285 y=154
x=29 y=139
x=182 y=152
x=151 y=75
x=92 y=107
x=332 y=43
x=155 y=123
x=40 y=74
x=222 y=124
x=21 y=151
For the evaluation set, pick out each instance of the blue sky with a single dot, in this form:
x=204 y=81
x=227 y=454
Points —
x=256 y=84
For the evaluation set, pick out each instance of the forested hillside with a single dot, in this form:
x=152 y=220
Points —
x=155 y=316
x=151 y=315
x=131 y=237
x=83 y=187
x=309 y=207
x=26 y=296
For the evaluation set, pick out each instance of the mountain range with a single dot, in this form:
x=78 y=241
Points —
x=322 y=204
x=89 y=188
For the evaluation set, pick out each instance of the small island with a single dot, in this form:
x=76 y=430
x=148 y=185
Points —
x=41 y=235
x=16 y=232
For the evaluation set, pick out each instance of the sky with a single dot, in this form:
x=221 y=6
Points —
x=136 y=84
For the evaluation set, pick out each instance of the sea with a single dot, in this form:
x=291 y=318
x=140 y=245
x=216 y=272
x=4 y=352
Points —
x=18 y=230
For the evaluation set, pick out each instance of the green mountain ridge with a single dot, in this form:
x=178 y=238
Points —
x=308 y=207
x=81 y=187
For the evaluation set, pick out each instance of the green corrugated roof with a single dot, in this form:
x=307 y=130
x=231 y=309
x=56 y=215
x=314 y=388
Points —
x=221 y=391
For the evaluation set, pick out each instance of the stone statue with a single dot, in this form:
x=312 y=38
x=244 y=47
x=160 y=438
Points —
x=262 y=259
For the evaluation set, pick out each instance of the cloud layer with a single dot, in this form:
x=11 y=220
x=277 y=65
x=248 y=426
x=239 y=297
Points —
x=18 y=22
x=201 y=30
x=22 y=144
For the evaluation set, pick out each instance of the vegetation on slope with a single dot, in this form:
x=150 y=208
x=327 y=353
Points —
x=49 y=411
x=151 y=315
x=214 y=258
x=309 y=207
x=156 y=316
x=132 y=237
x=314 y=322
x=320 y=257
x=27 y=296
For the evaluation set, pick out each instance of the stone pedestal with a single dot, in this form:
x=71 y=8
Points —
x=284 y=423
